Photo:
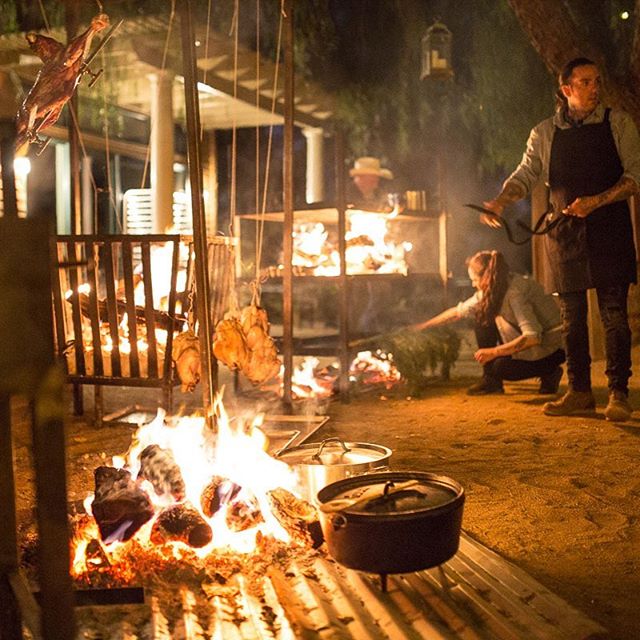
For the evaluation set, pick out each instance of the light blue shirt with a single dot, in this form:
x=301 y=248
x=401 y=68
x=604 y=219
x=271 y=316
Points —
x=526 y=311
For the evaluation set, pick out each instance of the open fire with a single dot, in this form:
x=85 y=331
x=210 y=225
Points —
x=109 y=337
x=183 y=493
x=313 y=379
x=368 y=247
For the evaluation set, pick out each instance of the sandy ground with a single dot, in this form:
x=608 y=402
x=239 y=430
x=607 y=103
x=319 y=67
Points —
x=559 y=497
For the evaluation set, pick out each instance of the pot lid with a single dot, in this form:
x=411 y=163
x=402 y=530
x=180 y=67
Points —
x=335 y=452
x=390 y=493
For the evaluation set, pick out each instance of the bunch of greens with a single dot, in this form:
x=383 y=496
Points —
x=417 y=354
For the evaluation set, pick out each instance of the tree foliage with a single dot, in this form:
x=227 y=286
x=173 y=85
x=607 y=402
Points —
x=560 y=31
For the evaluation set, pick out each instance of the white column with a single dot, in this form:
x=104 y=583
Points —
x=161 y=153
x=63 y=189
x=315 y=147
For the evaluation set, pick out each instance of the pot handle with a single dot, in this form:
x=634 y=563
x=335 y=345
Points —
x=338 y=521
x=323 y=444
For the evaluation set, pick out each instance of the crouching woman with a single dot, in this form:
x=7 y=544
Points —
x=517 y=326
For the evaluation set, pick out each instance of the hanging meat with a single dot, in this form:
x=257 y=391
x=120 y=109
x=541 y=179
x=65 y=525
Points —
x=229 y=344
x=185 y=353
x=262 y=362
x=56 y=80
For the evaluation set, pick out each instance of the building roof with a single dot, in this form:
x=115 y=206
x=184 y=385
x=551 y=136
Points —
x=137 y=49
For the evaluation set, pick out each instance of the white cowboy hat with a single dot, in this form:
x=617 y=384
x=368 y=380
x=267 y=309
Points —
x=369 y=166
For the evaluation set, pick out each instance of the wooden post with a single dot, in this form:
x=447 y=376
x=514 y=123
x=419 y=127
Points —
x=287 y=201
x=343 y=278
x=8 y=539
x=209 y=380
x=28 y=369
x=72 y=18
x=7 y=146
x=49 y=461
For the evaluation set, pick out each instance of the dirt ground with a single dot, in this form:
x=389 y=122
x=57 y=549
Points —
x=559 y=497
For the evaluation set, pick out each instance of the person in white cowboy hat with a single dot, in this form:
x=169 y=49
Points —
x=367 y=193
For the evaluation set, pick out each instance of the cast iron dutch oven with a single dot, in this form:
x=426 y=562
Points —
x=393 y=521
x=321 y=463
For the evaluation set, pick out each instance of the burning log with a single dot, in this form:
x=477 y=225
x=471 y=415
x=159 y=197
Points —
x=95 y=555
x=160 y=469
x=160 y=318
x=181 y=523
x=219 y=491
x=243 y=515
x=120 y=506
x=297 y=517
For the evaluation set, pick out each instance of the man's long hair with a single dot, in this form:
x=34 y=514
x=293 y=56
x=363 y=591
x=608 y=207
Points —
x=493 y=274
x=565 y=75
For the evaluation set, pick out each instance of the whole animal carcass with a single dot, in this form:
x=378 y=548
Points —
x=56 y=81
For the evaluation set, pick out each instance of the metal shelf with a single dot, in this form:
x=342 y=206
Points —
x=329 y=215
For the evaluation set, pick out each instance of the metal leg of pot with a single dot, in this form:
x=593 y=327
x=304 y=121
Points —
x=383 y=582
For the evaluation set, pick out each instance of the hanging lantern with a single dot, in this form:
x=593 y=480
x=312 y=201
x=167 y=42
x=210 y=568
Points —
x=436 y=53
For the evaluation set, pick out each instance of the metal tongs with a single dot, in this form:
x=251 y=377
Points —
x=538 y=228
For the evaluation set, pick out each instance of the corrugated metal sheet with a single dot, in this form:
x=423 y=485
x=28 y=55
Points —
x=475 y=596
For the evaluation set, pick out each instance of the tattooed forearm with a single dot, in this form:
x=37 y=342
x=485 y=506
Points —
x=511 y=192
x=621 y=190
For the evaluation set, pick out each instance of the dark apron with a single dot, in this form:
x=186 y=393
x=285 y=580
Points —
x=596 y=251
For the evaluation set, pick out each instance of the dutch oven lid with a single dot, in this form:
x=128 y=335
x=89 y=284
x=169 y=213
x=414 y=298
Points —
x=335 y=452
x=390 y=493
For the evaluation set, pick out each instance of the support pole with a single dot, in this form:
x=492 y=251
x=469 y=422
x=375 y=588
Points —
x=49 y=461
x=343 y=278
x=72 y=18
x=209 y=380
x=7 y=146
x=287 y=201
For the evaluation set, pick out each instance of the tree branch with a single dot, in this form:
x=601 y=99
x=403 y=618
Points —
x=557 y=39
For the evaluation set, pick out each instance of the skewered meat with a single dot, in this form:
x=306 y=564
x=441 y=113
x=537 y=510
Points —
x=185 y=353
x=56 y=81
x=229 y=345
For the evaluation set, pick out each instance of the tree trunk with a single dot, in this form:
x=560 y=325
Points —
x=558 y=37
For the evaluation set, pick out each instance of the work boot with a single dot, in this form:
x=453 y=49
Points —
x=571 y=403
x=485 y=386
x=550 y=382
x=618 y=409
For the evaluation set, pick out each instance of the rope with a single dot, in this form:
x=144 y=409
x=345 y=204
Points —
x=234 y=134
x=206 y=55
x=43 y=13
x=257 y=158
x=107 y=152
x=163 y=66
x=270 y=141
